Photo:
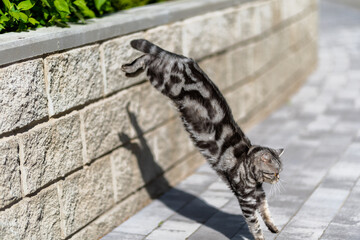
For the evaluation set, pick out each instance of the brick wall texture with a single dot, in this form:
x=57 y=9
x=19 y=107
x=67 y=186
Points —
x=82 y=147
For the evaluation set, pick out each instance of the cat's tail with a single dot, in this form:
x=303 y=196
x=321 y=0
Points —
x=146 y=47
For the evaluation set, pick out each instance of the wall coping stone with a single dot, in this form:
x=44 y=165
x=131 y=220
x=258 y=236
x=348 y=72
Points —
x=19 y=46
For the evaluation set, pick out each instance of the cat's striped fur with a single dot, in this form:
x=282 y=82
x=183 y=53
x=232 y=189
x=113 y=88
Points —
x=209 y=121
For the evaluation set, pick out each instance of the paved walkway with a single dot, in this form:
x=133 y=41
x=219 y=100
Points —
x=320 y=194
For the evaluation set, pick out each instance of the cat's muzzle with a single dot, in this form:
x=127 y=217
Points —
x=271 y=177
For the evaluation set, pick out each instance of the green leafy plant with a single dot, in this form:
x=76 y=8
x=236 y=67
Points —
x=22 y=15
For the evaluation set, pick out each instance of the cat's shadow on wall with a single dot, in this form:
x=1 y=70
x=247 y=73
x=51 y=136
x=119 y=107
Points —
x=195 y=208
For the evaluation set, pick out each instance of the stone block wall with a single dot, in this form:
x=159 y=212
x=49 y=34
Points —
x=82 y=147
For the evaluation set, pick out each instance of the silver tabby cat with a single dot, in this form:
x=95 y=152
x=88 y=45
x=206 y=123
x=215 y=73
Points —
x=209 y=121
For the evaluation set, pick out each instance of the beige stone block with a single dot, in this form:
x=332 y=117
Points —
x=33 y=218
x=287 y=37
x=242 y=100
x=127 y=165
x=242 y=61
x=73 y=78
x=168 y=37
x=263 y=17
x=117 y=52
x=113 y=218
x=51 y=151
x=276 y=12
x=104 y=121
x=253 y=19
x=23 y=97
x=313 y=24
x=307 y=29
x=291 y=8
x=308 y=56
x=184 y=168
x=261 y=54
x=219 y=33
x=10 y=185
x=86 y=194
x=246 y=23
x=274 y=49
x=218 y=68
x=141 y=161
x=170 y=143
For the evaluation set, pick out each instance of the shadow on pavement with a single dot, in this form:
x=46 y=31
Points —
x=191 y=207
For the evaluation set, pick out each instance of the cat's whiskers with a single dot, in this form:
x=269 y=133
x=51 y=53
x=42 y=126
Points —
x=281 y=184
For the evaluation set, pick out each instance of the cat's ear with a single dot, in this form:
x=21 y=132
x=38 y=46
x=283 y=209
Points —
x=279 y=151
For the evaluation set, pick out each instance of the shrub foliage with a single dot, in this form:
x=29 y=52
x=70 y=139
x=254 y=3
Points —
x=21 y=15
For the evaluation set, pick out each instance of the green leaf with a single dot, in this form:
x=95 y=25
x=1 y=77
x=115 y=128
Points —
x=7 y=4
x=25 y=5
x=23 y=17
x=33 y=21
x=81 y=4
x=46 y=3
x=46 y=14
x=4 y=19
x=15 y=15
x=99 y=3
x=77 y=13
x=1 y=27
x=62 y=7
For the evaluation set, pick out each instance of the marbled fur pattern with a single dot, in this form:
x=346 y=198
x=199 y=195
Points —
x=209 y=121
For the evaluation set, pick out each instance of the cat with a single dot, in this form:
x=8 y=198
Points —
x=208 y=120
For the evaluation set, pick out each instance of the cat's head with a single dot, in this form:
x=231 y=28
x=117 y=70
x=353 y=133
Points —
x=267 y=163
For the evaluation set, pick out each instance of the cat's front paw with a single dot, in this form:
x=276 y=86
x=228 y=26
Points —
x=273 y=228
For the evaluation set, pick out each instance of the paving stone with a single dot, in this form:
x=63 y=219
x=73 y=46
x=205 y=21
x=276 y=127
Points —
x=173 y=230
x=344 y=224
x=205 y=169
x=197 y=183
x=10 y=185
x=337 y=231
x=146 y=220
x=25 y=83
x=222 y=225
x=123 y=236
x=314 y=216
x=198 y=210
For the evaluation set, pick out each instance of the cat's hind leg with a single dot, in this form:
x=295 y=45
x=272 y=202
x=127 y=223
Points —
x=137 y=65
